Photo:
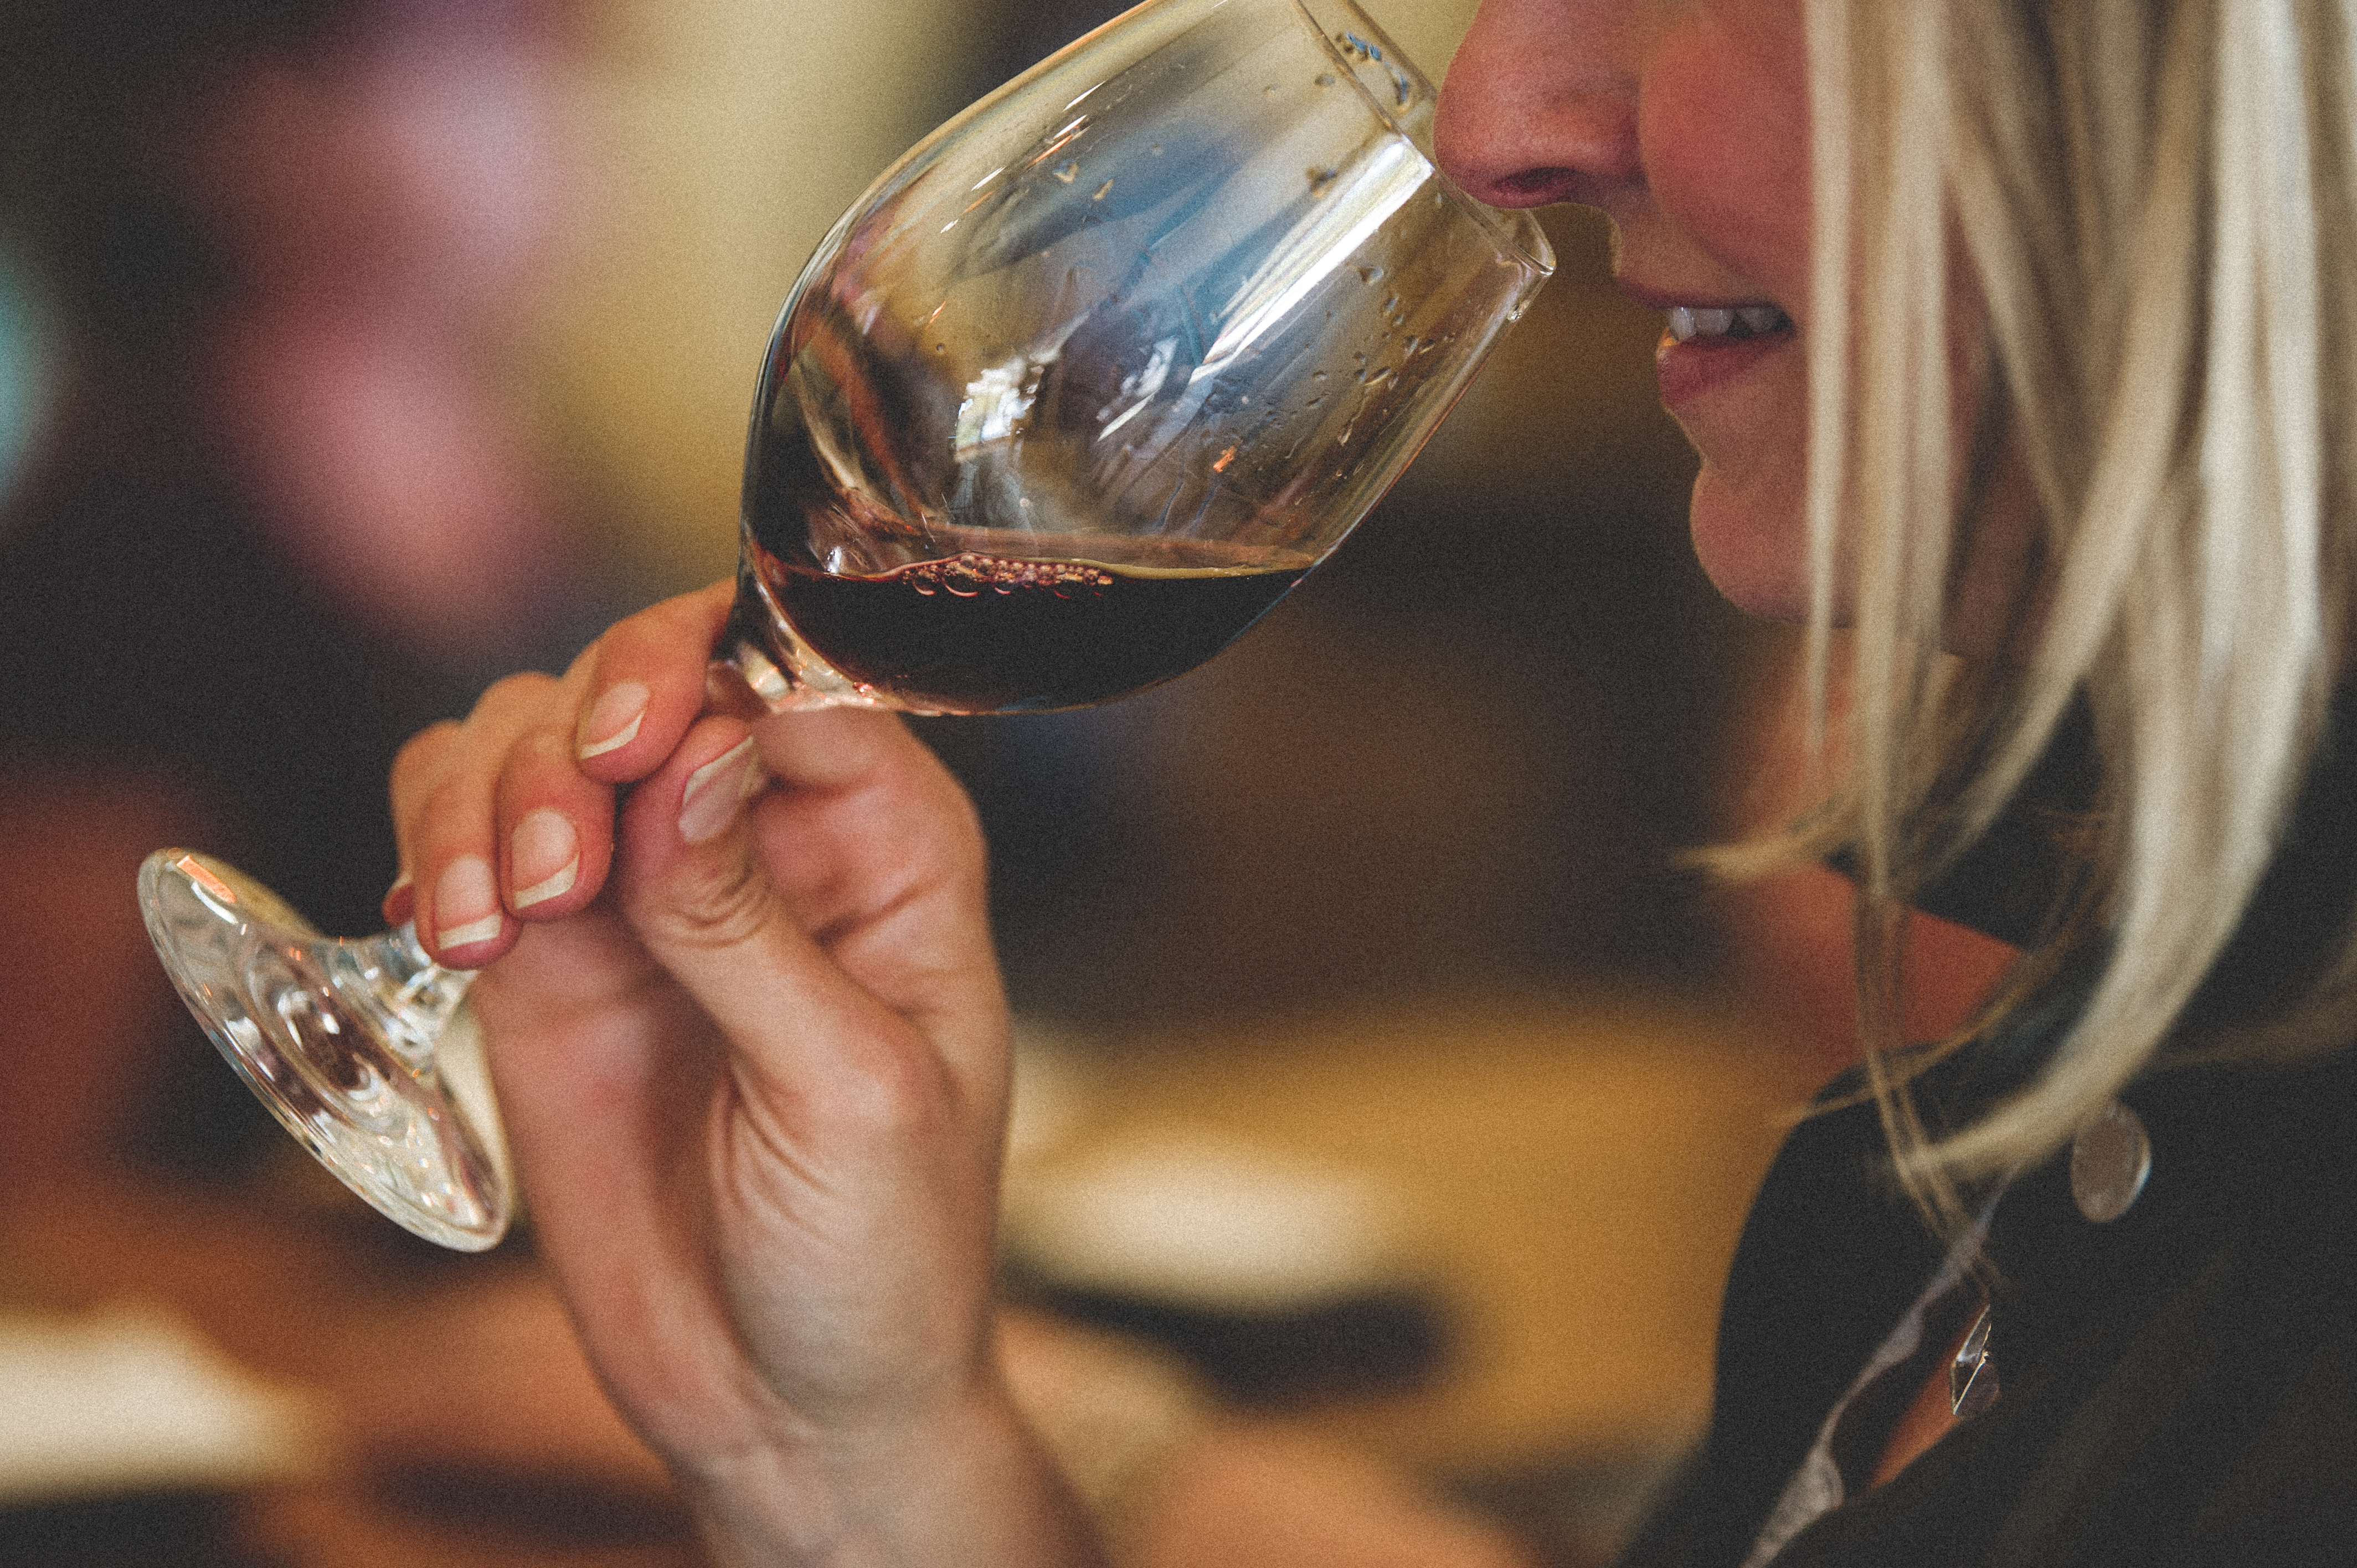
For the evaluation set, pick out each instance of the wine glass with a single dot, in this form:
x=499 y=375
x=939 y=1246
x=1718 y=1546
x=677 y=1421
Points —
x=1077 y=391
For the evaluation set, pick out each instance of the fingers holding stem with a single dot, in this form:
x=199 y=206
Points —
x=496 y=823
x=643 y=683
x=508 y=816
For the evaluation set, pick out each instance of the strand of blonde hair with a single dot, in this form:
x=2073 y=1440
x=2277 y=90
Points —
x=2159 y=317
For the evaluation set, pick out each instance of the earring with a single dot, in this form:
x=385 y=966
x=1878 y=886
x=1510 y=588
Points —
x=2110 y=1160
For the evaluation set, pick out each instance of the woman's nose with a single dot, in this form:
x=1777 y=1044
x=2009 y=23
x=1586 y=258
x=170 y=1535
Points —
x=1540 y=103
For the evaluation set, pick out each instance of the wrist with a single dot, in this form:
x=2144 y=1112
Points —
x=967 y=1484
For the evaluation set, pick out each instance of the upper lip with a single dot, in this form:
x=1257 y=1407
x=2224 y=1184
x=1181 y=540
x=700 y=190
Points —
x=1657 y=298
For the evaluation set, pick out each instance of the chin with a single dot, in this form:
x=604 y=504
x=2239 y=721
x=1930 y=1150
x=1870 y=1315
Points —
x=1756 y=556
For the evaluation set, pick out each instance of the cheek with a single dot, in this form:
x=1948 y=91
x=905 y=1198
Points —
x=1723 y=121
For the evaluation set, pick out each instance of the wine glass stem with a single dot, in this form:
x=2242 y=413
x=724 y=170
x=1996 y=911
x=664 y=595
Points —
x=391 y=981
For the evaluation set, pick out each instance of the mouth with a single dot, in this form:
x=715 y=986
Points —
x=1693 y=323
x=1705 y=347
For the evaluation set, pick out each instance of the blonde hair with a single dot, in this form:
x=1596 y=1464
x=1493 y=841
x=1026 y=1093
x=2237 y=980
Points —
x=2157 y=200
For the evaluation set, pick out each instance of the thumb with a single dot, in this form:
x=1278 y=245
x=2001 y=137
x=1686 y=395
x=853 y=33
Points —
x=722 y=897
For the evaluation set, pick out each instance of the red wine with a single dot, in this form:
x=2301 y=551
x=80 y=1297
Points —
x=975 y=634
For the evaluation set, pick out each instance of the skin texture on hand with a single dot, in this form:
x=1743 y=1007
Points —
x=752 y=1059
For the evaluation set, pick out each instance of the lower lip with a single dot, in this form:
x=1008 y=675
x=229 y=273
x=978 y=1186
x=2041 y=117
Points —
x=1700 y=365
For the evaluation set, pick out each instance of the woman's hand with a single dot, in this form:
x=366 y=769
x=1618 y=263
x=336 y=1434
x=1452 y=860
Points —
x=750 y=1050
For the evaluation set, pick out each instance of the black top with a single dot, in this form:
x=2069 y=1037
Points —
x=2179 y=1386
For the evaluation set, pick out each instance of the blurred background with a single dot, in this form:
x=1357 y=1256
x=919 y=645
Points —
x=1390 y=1097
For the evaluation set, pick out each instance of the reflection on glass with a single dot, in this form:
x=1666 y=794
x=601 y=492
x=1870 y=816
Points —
x=1079 y=389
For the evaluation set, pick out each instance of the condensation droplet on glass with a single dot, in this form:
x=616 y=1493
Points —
x=1391 y=304
x=1068 y=172
x=1319 y=178
x=1100 y=195
x=1269 y=91
x=1156 y=149
x=1371 y=276
x=1316 y=375
x=1325 y=79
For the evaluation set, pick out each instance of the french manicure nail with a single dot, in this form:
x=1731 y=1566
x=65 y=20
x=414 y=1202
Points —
x=544 y=850
x=717 y=791
x=466 y=902
x=612 y=721
x=400 y=900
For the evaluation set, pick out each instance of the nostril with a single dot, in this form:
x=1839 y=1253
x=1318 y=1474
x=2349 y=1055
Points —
x=1536 y=187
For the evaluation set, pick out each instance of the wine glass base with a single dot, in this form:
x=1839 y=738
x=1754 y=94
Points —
x=335 y=1038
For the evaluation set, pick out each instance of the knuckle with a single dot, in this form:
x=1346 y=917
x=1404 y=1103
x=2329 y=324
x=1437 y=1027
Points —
x=514 y=694
x=905 y=1090
x=884 y=1088
x=891 y=1097
x=725 y=906
x=438 y=802
x=417 y=754
x=546 y=749
x=584 y=665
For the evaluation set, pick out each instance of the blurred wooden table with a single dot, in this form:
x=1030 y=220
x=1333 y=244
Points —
x=1570 y=1176
x=1570 y=1179
x=456 y=1422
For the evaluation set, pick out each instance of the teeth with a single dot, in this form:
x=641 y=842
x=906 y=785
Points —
x=1688 y=322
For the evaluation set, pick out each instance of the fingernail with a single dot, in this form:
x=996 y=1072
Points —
x=466 y=902
x=544 y=855
x=717 y=791
x=612 y=721
x=400 y=901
